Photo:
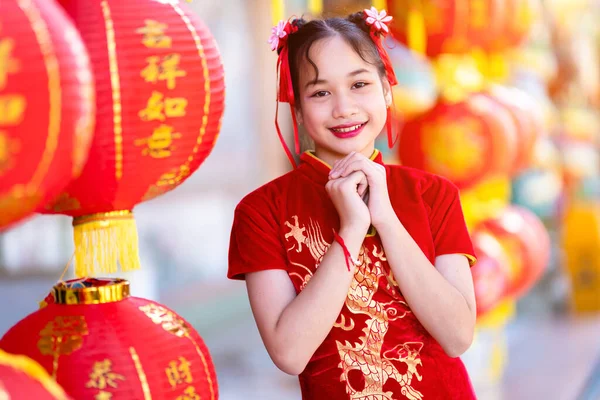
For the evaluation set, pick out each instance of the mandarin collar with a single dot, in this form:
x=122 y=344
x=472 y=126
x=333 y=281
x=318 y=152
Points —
x=318 y=170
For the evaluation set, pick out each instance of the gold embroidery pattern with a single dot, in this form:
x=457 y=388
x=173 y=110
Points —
x=63 y=335
x=366 y=355
x=317 y=246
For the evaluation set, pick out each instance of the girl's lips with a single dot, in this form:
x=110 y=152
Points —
x=347 y=134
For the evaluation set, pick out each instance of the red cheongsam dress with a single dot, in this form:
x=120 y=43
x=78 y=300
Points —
x=377 y=349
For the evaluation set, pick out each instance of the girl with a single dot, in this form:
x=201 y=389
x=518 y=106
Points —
x=357 y=272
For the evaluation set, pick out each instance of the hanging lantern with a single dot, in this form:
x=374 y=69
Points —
x=99 y=342
x=526 y=241
x=46 y=109
x=23 y=378
x=490 y=274
x=527 y=118
x=160 y=98
x=517 y=19
x=463 y=141
x=434 y=27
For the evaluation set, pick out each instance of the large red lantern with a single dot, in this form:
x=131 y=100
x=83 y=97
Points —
x=160 y=98
x=46 y=106
x=435 y=27
x=490 y=274
x=527 y=242
x=23 y=378
x=99 y=342
x=463 y=141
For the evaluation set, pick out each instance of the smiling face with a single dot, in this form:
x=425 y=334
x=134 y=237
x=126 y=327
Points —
x=344 y=108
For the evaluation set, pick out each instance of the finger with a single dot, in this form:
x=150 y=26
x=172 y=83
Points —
x=356 y=165
x=362 y=187
x=334 y=173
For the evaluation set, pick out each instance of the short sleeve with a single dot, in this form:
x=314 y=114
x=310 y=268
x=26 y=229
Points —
x=255 y=243
x=446 y=219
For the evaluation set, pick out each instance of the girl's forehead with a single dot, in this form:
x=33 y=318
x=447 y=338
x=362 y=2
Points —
x=333 y=56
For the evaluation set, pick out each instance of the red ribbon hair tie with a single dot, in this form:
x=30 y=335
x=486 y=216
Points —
x=285 y=91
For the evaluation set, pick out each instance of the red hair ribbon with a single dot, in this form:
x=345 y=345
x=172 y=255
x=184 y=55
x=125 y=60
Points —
x=285 y=91
x=378 y=21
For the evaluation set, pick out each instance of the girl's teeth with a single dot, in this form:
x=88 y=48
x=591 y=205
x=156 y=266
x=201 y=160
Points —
x=350 y=129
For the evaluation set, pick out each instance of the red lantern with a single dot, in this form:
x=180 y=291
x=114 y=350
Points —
x=527 y=119
x=490 y=273
x=46 y=109
x=23 y=378
x=526 y=241
x=446 y=26
x=463 y=141
x=98 y=342
x=515 y=23
x=160 y=98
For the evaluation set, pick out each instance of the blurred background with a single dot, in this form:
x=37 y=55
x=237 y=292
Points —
x=500 y=96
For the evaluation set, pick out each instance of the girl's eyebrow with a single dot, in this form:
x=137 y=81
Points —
x=351 y=74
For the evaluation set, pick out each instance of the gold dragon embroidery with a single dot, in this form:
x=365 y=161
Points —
x=365 y=356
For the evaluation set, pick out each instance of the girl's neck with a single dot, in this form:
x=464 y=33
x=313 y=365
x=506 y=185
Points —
x=330 y=157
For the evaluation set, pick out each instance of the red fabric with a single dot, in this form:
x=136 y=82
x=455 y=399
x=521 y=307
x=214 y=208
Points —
x=289 y=223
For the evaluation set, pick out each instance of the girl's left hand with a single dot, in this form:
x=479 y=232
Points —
x=380 y=206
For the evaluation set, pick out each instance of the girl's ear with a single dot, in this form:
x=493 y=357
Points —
x=387 y=92
x=298 y=112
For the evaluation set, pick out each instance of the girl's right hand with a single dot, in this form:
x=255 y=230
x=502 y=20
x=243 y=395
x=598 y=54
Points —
x=346 y=195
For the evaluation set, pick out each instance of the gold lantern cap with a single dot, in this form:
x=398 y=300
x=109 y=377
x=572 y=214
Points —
x=91 y=291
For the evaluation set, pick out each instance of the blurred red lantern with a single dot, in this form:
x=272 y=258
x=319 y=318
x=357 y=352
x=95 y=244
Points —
x=516 y=21
x=434 y=27
x=46 y=106
x=463 y=141
x=98 y=342
x=528 y=121
x=160 y=98
x=23 y=378
x=527 y=242
x=490 y=273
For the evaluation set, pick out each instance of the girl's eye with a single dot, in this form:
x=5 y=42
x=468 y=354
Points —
x=320 y=93
x=359 y=85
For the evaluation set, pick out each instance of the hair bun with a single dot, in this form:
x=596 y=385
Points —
x=299 y=22
x=358 y=19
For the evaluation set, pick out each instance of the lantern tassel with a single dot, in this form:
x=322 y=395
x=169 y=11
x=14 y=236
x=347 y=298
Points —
x=103 y=240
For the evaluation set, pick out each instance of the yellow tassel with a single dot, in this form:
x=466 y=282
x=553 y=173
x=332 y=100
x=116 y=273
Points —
x=103 y=240
x=32 y=369
x=417 y=39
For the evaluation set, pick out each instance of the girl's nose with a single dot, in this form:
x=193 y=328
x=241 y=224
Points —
x=344 y=107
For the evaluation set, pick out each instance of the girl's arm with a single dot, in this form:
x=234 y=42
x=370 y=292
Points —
x=293 y=327
x=441 y=296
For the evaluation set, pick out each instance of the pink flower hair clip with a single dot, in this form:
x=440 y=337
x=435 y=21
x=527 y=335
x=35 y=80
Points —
x=280 y=33
x=378 y=20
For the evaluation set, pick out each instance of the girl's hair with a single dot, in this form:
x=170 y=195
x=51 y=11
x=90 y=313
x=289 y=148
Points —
x=353 y=29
